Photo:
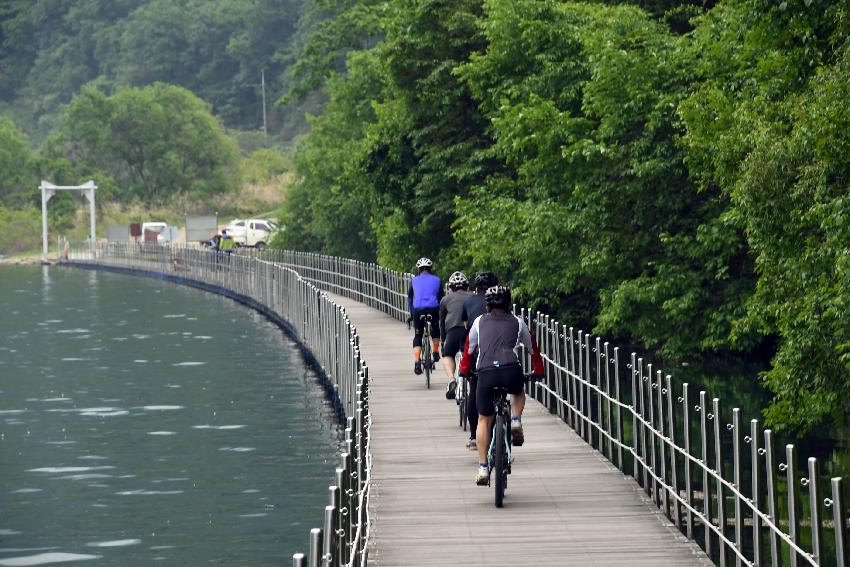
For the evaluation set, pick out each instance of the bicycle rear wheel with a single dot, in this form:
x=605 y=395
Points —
x=462 y=388
x=427 y=361
x=500 y=459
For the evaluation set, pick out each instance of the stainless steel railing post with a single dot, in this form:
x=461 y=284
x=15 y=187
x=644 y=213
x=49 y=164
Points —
x=736 y=475
x=316 y=547
x=839 y=522
x=329 y=558
x=597 y=350
x=814 y=510
x=619 y=399
x=643 y=452
x=706 y=487
x=791 y=493
x=755 y=489
x=770 y=470
x=662 y=449
x=674 y=473
x=580 y=385
x=718 y=468
x=608 y=420
x=686 y=439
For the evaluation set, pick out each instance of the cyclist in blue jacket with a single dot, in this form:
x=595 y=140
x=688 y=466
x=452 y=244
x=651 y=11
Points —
x=423 y=298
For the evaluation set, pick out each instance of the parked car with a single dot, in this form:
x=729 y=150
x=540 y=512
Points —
x=252 y=232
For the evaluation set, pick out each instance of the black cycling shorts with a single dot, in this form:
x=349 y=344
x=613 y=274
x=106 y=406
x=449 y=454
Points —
x=510 y=377
x=419 y=324
x=455 y=339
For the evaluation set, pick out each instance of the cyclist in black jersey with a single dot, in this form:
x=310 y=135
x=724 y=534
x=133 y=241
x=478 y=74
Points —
x=452 y=329
x=497 y=334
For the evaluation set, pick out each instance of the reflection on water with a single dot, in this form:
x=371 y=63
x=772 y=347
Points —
x=142 y=421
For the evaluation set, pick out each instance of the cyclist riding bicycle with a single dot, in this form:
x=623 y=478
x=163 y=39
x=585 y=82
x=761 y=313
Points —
x=423 y=299
x=474 y=304
x=496 y=335
x=472 y=308
x=452 y=327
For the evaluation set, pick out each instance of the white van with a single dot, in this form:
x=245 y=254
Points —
x=252 y=232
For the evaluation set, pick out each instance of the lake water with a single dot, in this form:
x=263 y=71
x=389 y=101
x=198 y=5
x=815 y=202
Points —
x=142 y=421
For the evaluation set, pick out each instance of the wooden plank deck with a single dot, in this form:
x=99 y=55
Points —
x=565 y=504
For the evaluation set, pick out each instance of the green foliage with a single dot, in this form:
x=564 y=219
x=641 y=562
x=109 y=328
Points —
x=16 y=163
x=792 y=192
x=339 y=27
x=263 y=165
x=329 y=208
x=158 y=143
x=20 y=229
x=430 y=140
x=672 y=173
x=216 y=48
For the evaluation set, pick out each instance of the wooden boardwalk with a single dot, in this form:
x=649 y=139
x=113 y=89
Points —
x=565 y=504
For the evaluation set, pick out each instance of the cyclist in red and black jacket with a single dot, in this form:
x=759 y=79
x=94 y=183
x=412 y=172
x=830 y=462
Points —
x=473 y=307
x=496 y=335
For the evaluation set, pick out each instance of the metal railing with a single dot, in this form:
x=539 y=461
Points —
x=378 y=287
x=319 y=325
x=716 y=477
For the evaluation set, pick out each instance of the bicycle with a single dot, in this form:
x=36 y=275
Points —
x=499 y=457
x=426 y=356
x=499 y=452
x=461 y=393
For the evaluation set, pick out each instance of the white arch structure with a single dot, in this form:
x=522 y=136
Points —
x=47 y=192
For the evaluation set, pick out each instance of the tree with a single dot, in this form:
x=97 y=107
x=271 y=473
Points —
x=16 y=162
x=430 y=140
x=330 y=208
x=159 y=142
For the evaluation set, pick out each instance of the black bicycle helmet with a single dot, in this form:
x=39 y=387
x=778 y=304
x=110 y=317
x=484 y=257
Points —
x=498 y=296
x=458 y=280
x=486 y=280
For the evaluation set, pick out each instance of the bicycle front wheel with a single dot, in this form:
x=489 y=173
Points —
x=500 y=459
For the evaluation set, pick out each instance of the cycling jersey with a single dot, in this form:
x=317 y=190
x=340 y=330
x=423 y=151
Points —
x=497 y=337
x=425 y=292
x=473 y=307
x=451 y=310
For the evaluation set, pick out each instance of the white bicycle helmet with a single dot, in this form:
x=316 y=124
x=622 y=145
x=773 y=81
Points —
x=458 y=280
x=423 y=263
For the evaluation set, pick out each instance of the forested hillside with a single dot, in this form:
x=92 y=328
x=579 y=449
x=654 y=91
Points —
x=671 y=173
x=215 y=48
x=159 y=101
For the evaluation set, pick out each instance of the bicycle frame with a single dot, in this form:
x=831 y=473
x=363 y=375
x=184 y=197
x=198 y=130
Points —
x=461 y=393
x=503 y=407
x=426 y=357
